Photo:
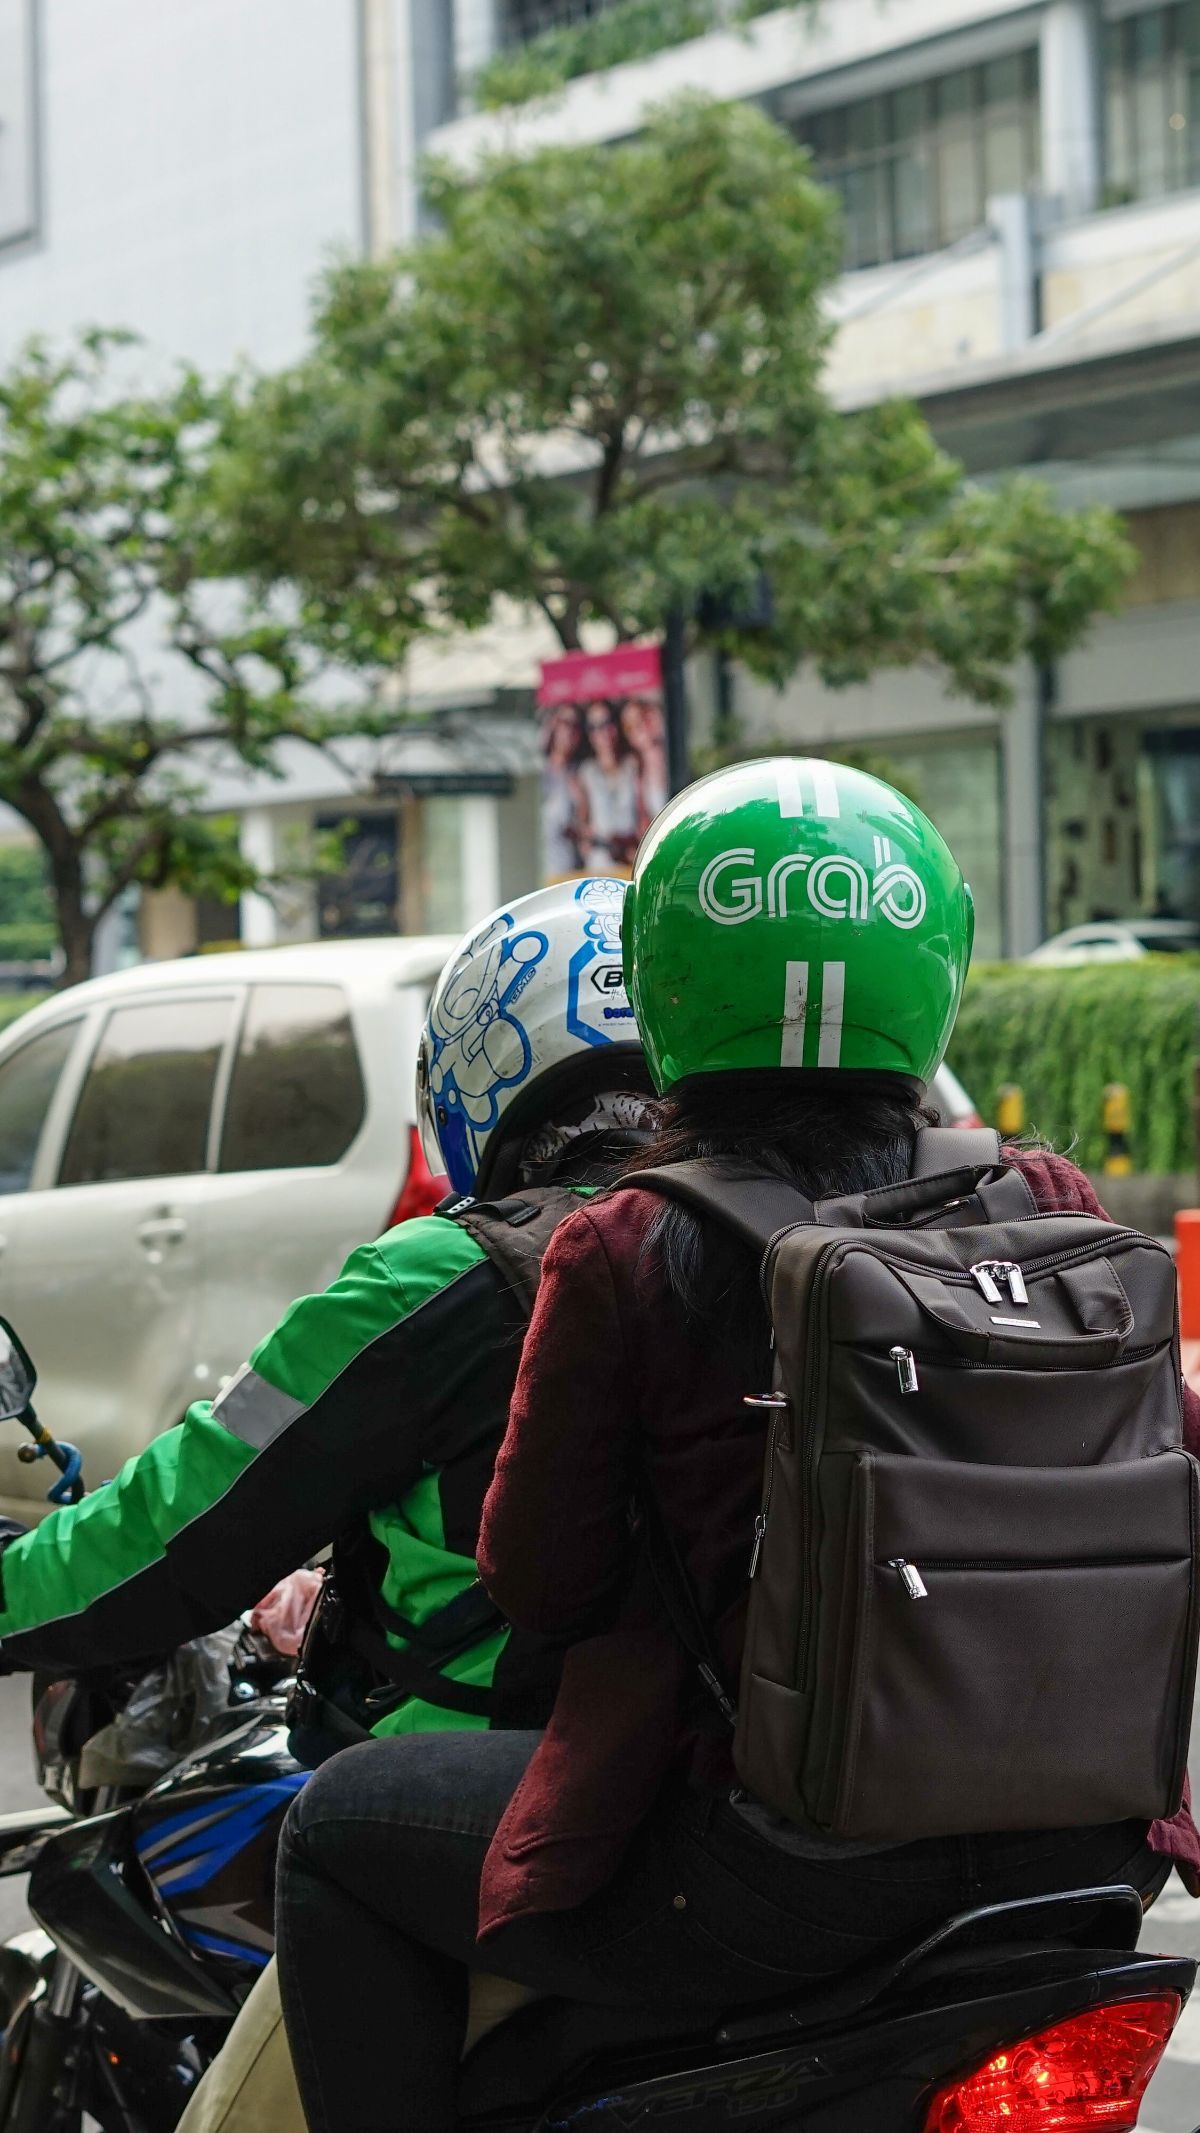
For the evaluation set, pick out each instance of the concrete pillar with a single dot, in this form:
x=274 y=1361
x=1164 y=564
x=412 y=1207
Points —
x=258 y=843
x=1024 y=858
x=480 y=857
x=1010 y=219
x=410 y=57
x=1072 y=105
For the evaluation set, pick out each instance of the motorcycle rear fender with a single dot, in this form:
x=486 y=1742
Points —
x=22 y=1836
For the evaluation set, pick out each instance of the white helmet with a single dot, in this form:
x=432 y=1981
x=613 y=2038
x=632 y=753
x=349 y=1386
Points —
x=529 y=1012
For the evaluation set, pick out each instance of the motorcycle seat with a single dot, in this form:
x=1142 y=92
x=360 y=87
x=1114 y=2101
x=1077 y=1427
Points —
x=550 y=2039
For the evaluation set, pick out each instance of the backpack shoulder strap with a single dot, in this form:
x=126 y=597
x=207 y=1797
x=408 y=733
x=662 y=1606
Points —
x=516 y=1232
x=1003 y=1196
x=942 y=1148
x=755 y=1207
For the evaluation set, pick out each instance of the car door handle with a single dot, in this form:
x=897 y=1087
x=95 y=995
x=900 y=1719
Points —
x=162 y=1229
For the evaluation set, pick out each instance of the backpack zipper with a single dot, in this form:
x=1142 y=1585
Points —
x=914 y=1583
x=906 y=1362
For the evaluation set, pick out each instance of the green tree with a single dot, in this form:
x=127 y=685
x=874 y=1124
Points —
x=129 y=665
x=599 y=391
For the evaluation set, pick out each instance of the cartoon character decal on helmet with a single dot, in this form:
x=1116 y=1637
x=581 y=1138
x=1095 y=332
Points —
x=537 y=986
x=597 y=1004
x=480 y=1048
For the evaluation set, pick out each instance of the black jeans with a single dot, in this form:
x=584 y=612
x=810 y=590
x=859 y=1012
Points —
x=378 y=1891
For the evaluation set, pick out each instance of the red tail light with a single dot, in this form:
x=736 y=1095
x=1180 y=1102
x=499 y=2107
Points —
x=1086 y=2075
x=421 y=1190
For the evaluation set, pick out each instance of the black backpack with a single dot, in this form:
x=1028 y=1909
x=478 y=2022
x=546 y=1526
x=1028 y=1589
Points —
x=350 y=1674
x=974 y=1597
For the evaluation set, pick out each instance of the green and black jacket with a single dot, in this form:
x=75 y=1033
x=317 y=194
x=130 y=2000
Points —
x=372 y=1413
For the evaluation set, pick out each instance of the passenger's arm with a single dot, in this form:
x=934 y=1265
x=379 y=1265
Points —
x=310 y=1434
x=554 y=1543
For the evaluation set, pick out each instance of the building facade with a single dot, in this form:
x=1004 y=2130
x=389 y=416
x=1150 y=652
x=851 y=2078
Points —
x=1020 y=182
x=1021 y=185
x=187 y=171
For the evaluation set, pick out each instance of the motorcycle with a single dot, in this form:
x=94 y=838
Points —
x=153 y=1900
x=1039 y=2016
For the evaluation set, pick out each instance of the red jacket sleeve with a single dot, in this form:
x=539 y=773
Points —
x=1059 y=1188
x=554 y=1541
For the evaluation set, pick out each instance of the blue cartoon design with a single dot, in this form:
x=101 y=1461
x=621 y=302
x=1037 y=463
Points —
x=480 y=1048
x=598 y=1010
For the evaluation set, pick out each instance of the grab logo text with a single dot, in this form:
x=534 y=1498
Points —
x=733 y=889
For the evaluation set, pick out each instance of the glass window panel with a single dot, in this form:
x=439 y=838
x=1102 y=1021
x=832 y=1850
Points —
x=863 y=194
x=1004 y=152
x=145 y=1106
x=956 y=94
x=960 y=204
x=28 y=1080
x=1004 y=80
x=910 y=112
x=864 y=125
x=913 y=202
x=1121 y=181
x=1150 y=101
x=296 y=1099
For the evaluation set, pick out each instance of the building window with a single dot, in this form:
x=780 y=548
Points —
x=915 y=168
x=1152 y=77
x=522 y=19
x=18 y=122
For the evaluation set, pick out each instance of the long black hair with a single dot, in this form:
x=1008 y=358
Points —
x=826 y=1133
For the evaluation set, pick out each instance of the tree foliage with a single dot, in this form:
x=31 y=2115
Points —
x=129 y=667
x=599 y=390
x=631 y=29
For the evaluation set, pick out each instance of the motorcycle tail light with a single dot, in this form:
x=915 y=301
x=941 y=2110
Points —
x=1085 y=2075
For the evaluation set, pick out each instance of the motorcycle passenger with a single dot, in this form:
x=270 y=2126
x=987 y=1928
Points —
x=371 y=1416
x=797 y=936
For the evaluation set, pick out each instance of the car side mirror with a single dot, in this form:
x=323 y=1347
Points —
x=18 y=1378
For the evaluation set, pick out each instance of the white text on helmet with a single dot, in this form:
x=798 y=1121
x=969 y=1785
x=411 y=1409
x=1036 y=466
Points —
x=732 y=891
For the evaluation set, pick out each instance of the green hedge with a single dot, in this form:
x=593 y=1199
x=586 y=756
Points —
x=1062 y=1034
x=634 y=29
x=13 y=1004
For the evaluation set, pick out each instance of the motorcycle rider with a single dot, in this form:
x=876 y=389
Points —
x=797 y=936
x=371 y=1415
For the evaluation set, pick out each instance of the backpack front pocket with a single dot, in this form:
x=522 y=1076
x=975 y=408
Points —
x=1023 y=1651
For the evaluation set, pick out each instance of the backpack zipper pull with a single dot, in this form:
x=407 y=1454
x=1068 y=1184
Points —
x=760 y=1534
x=1016 y=1285
x=906 y=1368
x=910 y=1577
x=984 y=1276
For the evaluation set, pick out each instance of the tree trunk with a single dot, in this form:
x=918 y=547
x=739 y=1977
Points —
x=64 y=858
x=77 y=933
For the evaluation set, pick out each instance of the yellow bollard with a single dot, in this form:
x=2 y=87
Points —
x=1118 y=1162
x=1010 y=1111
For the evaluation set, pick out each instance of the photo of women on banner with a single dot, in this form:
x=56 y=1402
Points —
x=604 y=758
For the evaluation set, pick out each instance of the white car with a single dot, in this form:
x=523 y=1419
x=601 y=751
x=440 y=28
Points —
x=1118 y=940
x=184 y=1148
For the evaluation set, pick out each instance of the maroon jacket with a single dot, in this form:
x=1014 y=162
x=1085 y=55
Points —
x=613 y=1386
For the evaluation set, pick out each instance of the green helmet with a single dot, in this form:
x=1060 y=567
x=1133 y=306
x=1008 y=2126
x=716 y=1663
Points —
x=794 y=913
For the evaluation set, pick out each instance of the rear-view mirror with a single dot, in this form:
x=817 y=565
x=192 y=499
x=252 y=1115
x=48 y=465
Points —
x=18 y=1377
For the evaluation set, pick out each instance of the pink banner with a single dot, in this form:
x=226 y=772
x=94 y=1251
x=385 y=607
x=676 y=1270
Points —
x=604 y=758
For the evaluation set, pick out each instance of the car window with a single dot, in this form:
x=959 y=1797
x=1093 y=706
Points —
x=1168 y=943
x=28 y=1080
x=297 y=1097
x=145 y=1106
